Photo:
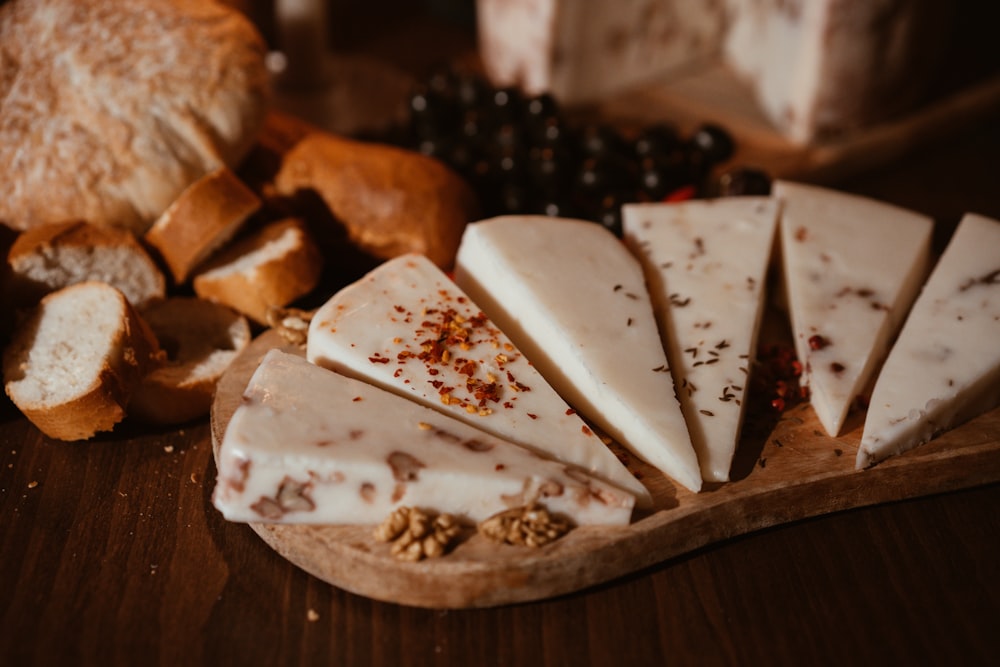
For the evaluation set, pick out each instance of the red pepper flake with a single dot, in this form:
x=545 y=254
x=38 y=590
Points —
x=837 y=367
x=378 y=359
x=586 y=431
x=681 y=194
x=356 y=399
x=801 y=234
x=532 y=416
x=817 y=342
x=570 y=411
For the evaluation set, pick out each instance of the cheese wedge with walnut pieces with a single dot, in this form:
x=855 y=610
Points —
x=945 y=367
x=852 y=267
x=574 y=300
x=310 y=446
x=408 y=328
x=706 y=264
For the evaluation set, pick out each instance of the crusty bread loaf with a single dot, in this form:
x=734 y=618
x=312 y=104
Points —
x=73 y=365
x=50 y=257
x=200 y=339
x=391 y=201
x=108 y=109
x=201 y=220
x=268 y=269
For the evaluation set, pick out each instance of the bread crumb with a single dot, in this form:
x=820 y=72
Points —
x=312 y=616
x=168 y=449
x=195 y=478
x=32 y=484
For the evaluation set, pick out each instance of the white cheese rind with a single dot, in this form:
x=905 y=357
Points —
x=584 y=51
x=945 y=366
x=573 y=299
x=706 y=266
x=310 y=446
x=851 y=268
x=408 y=328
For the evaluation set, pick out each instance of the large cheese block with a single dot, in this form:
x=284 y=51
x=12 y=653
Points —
x=817 y=69
x=309 y=446
x=408 y=328
x=583 y=51
x=945 y=367
x=706 y=265
x=574 y=300
x=851 y=268
x=824 y=67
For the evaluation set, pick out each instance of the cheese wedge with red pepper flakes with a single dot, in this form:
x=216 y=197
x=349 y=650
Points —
x=574 y=300
x=706 y=266
x=944 y=368
x=309 y=446
x=852 y=267
x=408 y=328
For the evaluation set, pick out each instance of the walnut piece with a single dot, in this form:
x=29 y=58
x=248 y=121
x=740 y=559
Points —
x=416 y=534
x=530 y=525
x=292 y=324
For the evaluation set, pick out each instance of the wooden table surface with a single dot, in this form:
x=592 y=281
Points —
x=111 y=552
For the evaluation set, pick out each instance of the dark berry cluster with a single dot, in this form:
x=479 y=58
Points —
x=522 y=154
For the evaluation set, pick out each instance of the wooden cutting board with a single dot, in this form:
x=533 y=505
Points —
x=785 y=472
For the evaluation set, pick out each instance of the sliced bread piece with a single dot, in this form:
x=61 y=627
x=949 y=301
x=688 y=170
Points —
x=268 y=269
x=72 y=366
x=50 y=257
x=200 y=339
x=205 y=217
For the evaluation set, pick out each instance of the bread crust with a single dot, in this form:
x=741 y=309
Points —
x=109 y=109
x=200 y=339
x=271 y=282
x=206 y=216
x=102 y=403
x=36 y=269
x=391 y=201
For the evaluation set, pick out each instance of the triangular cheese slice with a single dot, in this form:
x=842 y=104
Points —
x=945 y=367
x=851 y=269
x=408 y=328
x=706 y=264
x=573 y=298
x=309 y=446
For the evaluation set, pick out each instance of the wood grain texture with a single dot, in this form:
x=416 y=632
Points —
x=793 y=473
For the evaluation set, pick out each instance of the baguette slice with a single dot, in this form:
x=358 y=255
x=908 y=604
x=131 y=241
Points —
x=50 y=257
x=205 y=217
x=200 y=339
x=269 y=269
x=74 y=363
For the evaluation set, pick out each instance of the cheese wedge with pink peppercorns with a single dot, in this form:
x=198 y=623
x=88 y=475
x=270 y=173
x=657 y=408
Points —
x=945 y=367
x=572 y=297
x=706 y=264
x=851 y=268
x=309 y=446
x=408 y=328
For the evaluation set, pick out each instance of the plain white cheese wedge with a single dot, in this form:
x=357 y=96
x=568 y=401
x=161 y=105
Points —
x=706 y=266
x=573 y=299
x=309 y=446
x=945 y=367
x=408 y=328
x=851 y=269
